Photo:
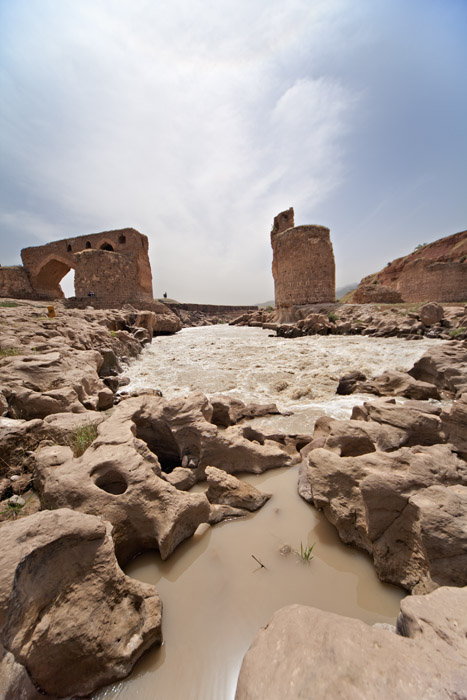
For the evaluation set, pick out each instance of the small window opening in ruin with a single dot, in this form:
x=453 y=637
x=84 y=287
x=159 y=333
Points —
x=67 y=283
x=122 y=239
x=88 y=245
x=106 y=246
x=68 y=248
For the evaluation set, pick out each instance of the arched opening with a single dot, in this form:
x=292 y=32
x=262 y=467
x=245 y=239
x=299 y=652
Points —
x=69 y=250
x=47 y=280
x=122 y=239
x=67 y=284
x=106 y=246
x=88 y=245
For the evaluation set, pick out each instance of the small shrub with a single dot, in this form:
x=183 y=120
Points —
x=332 y=316
x=457 y=331
x=8 y=352
x=419 y=246
x=81 y=438
x=306 y=552
x=113 y=334
x=8 y=304
x=269 y=308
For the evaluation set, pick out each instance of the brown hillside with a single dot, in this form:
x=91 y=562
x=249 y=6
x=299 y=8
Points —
x=434 y=272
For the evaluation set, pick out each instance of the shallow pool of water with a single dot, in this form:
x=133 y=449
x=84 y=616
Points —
x=216 y=596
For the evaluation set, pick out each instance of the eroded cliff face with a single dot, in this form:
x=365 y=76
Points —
x=434 y=272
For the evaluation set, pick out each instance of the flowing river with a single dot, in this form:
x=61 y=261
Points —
x=215 y=595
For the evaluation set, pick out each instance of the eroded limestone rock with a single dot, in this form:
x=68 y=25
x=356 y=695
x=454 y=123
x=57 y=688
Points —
x=386 y=503
x=225 y=489
x=125 y=474
x=445 y=366
x=68 y=614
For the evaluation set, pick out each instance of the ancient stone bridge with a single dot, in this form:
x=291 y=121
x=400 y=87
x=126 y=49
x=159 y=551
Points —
x=111 y=267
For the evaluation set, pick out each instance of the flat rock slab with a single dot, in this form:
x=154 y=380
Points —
x=309 y=654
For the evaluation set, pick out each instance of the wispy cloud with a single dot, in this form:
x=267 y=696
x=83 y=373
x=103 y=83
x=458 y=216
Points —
x=192 y=123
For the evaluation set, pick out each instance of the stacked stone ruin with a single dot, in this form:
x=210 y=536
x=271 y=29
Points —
x=303 y=263
x=111 y=268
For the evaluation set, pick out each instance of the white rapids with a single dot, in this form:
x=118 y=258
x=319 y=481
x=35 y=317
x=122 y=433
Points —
x=300 y=375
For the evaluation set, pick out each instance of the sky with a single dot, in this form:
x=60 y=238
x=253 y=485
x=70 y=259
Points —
x=197 y=121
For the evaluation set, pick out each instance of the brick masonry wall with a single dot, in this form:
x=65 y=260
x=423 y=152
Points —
x=434 y=272
x=14 y=283
x=303 y=266
x=47 y=264
x=112 y=277
x=437 y=281
x=213 y=309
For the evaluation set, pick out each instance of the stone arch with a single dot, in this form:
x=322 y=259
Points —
x=47 y=279
x=105 y=245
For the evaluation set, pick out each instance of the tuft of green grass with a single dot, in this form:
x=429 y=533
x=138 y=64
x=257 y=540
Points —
x=12 y=510
x=81 y=438
x=457 y=331
x=113 y=334
x=306 y=552
x=8 y=352
x=8 y=304
x=332 y=316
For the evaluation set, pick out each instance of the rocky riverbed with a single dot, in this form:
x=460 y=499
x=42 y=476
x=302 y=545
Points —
x=97 y=466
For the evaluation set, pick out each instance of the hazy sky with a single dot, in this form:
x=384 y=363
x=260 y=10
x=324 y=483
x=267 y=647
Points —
x=196 y=121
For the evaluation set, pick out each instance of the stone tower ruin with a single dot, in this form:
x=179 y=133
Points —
x=303 y=263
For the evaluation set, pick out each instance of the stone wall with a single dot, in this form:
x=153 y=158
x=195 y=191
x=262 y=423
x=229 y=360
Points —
x=112 y=266
x=14 y=283
x=303 y=263
x=437 y=281
x=433 y=272
x=213 y=309
x=283 y=221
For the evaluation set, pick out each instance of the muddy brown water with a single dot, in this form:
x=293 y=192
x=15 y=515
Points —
x=215 y=595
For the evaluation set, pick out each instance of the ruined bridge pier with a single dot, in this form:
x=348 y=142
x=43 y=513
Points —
x=303 y=264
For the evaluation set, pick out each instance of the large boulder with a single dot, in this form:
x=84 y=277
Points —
x=431 y=313
x=444 y=365
x=226 y=489
x=407 y=508
x=68 y=615
x=419 y=420
x=228 y=410
x=389 y=383
x=308 y=654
